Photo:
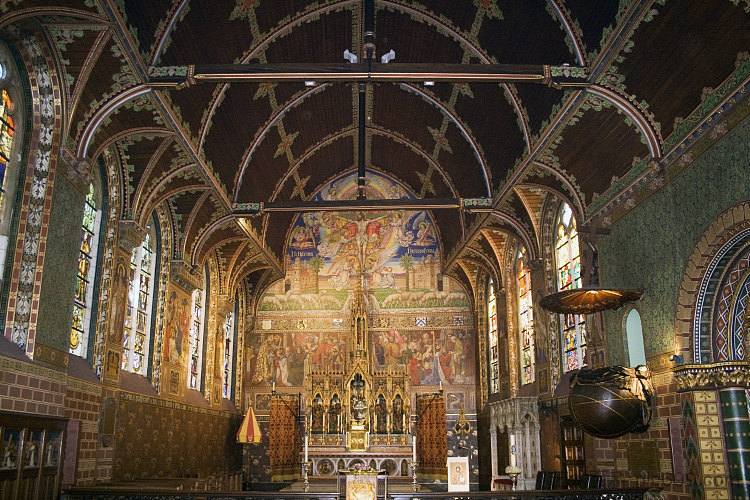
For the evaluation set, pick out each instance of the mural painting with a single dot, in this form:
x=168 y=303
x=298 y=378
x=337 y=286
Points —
x=432 y=357
x=176 y=325
x=393 y=254
x=119 y=300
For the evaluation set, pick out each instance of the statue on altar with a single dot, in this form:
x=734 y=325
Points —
x=358 y=400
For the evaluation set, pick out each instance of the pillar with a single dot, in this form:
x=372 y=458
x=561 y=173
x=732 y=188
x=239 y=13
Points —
x=736 y=422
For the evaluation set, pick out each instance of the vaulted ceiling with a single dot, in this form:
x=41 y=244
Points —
x=208 y=107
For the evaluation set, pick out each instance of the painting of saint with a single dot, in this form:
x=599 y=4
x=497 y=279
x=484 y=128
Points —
x=119 y=301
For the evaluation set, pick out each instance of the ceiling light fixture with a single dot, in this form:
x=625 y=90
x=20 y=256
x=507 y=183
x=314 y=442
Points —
x=388 y=56
x=350 y=57
x=309 y=83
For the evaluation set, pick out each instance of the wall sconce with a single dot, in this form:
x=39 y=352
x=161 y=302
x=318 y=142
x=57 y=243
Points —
x=677 y=359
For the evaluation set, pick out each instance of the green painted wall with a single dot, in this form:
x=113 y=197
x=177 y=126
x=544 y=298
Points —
x=60 y=266
x=648 y=249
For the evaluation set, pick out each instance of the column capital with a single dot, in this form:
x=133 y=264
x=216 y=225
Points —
x=76 y=170
x=224 y=305
x=183 y=275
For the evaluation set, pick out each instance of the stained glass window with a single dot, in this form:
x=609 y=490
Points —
x=568 y=264
x=138 y=319
x=196 y=340
x=492 y=338
x=525 y=319
x=228 y=356
x=83 y=296
x=7 y=130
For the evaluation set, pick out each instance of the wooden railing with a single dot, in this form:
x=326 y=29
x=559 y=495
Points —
x=135 y=493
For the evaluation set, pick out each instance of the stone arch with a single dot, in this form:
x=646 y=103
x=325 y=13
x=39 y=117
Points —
x=726 y=232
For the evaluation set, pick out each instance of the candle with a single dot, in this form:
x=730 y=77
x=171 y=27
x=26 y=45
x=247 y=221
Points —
x=414 y=448
x=273 y=387
x=441 y=386
x=306 y=441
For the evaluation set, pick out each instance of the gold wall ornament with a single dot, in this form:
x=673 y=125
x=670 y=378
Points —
x=462 y=425
x=712 y=376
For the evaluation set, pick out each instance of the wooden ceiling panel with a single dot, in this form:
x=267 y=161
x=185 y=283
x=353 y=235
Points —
x=607 y=154
x=515 y=39
x=682 y=51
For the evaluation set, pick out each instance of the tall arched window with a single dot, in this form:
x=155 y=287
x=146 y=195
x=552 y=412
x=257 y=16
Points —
x=634 y=333
x=196 y=340
x=84 y=293
x=525 y=318
x=568 y=265
x=7 y=132
x=11 y=145
x=492 y=338
x=137 y=334
x=228 y=356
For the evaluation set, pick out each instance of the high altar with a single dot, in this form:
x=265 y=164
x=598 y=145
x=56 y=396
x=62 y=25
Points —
x=357 y=414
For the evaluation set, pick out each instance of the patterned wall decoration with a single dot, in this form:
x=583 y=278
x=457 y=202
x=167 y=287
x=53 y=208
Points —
x=649 y=248
x=711 y=444
x=158 y=438
x=23 y=302
x=692 y=449
x=730 y=309
x=431 y=436
x=284 y=439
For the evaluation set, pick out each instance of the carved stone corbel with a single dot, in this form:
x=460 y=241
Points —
x=77 y=171
x=130 y=235
x=181 y=274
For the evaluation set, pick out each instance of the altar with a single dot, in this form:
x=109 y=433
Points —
x=364 y=484
x=357 y=414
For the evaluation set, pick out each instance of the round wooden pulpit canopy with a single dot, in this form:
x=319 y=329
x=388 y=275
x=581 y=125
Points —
x=587 y=300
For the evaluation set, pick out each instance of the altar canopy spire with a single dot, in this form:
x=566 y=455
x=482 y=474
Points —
x=359 y=322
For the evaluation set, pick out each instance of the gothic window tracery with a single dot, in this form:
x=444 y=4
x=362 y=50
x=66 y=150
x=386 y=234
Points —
x=136 y=341
x=84 y=292
x=525 y=318
x=568 y=266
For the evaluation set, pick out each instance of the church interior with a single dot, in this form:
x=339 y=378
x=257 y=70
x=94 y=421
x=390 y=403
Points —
x=452 y=246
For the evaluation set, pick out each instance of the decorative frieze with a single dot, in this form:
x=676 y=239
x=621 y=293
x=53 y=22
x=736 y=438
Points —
x=711 y=376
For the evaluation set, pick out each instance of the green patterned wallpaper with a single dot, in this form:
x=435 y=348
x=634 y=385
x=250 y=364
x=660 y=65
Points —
x=648 y=248
x=59 y=280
